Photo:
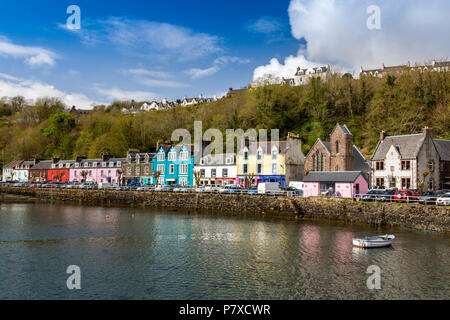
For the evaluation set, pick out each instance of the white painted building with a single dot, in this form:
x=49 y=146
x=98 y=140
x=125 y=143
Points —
x=155 y=105
x=200 y=99
x=217 y=169
x=20 y=171
x=401 y=161
x=303 y=76
x=8 y=171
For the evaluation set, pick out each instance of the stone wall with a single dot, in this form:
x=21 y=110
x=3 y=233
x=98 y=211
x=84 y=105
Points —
x=419 y=217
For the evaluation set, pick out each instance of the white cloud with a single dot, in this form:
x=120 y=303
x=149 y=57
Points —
x=219 y=63
x=163 y=40
x=33 y=56
x=336 y=32
x=119 y=94
x=266 y=25
x=141 y=76
x=286 y=70
x=12 y=86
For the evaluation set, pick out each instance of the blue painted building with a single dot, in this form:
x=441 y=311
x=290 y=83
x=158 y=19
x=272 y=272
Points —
x=175 y=163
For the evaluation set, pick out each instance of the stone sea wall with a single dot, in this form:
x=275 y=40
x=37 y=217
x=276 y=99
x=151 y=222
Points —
x=415 y=216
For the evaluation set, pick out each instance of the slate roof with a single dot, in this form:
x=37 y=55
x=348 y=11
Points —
x=267 y=146
x=333 y=176
x=407 y=145
x=43 y=165
x=443 y=148
x=12 y=164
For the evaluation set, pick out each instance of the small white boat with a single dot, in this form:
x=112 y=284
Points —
x=374 y=242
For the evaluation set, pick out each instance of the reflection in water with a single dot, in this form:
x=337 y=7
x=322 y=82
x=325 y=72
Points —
x=127 y=253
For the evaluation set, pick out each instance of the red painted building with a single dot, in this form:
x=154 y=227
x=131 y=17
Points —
x=60 y=171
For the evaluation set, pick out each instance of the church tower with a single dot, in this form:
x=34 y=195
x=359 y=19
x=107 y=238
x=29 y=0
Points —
x=341 y=144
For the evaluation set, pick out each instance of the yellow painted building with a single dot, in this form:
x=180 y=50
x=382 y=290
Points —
x=276 y=161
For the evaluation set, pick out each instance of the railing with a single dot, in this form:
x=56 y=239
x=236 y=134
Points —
x=359 y=197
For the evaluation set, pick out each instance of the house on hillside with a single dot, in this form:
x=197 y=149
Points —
x=339 y=154
x=196 y=100
x=155 y=105
x=401 y=161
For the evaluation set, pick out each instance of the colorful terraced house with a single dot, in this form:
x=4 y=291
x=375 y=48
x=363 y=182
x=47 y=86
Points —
x=175 y=163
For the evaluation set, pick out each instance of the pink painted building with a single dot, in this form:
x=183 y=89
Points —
x=345 y=184
x=105 y=170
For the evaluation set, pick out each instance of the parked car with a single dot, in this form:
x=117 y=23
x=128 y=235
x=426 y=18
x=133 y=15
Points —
x=406 y=195
x=200 y=189
x=387 y=196
x=430 y=197
x=293 y=191
x=252 y=191
x=105 y=186
x=443 y=200
x=373 y=195
x=213 y=188
x=164 y=188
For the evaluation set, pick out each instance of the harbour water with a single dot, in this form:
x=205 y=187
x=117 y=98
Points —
x=129 y=253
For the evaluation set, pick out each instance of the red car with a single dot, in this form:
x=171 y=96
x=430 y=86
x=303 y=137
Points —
x=406 y=195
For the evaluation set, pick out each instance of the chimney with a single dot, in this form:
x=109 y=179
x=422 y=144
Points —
x=105 y=157
x=426 y=132
x=383 y=135
x=361 y=70
x=79 y=158
x=36 y=161
x=55 y=160
x=433 y=63
x=200 y=96
x=154 y=100
x=164 y=100
x=382 y=67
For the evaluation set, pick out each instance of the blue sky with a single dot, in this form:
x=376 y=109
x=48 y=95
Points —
x=154 y=49
x=140 y=49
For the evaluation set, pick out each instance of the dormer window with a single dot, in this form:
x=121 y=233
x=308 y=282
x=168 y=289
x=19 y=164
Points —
x=103 y=164
x=77 y=165
x=111 y=164
x=86 y=164
x=94 y=164
x=172 y=156
x=119 y=163
x=259 y=155
x=274 y=154
x=67 y=165
x=161 y=156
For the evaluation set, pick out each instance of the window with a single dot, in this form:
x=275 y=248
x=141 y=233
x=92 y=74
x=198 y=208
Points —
x=183 y=181
x=379 y=182
x=431 y=185
x=431 y=166
x=314 y=163
x=337 y=146
x=147 y=171
x=102 y=174
x=259 y=155
x=274 y=168
x=202 y=172
x=406 y=183
x=406 y=165
x=94 y=164
x=129 y=170
x=245 y=168
x=77 y=165
x=183 y=168
x=109 y=173
x=225 y=173
x=161 y=156
x=184 y=155
x=103 y=164
x=111 y=164
x=379 y=165
x=172 y=156
x=75 y=173
x=213 y=173
x=274 y=154
x=119 y=163
x=245 y=155
x=259 y=168
x=229 y=160
x=138 y=170
x=172 y=169
x=90 y=173
x=160 y=168
x=67 y=165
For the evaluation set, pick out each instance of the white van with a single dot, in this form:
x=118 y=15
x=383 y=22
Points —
x=105 y=185
x=269 y=188
x=296 y=184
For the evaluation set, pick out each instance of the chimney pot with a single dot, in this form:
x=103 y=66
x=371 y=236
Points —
x=382 y=135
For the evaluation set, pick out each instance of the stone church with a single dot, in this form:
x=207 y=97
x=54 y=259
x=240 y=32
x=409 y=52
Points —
x=339 y=154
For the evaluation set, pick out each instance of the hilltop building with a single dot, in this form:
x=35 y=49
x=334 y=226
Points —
x=383 y=71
